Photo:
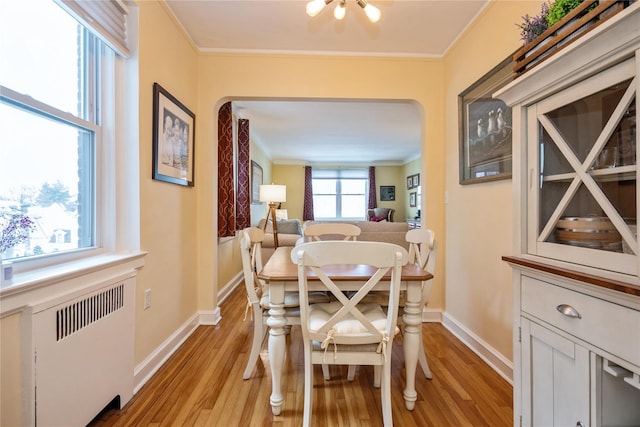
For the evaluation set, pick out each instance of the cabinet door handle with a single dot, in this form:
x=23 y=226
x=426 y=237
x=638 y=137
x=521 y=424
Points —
x=568 y=311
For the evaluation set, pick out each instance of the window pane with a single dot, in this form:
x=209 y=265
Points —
x=39 y=47
x=354 y=186
x=353 y=206
x=324 y=206
x=47 y=171
x=324 y=186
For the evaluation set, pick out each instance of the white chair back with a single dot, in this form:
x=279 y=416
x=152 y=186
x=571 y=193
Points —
x=331 y=231
x=361 y=334
x=422 y=248
x=251 y=239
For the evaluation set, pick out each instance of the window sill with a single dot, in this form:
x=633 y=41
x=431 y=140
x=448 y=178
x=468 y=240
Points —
x=33 y=286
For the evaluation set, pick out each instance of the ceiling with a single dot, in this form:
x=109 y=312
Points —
x=325 y=132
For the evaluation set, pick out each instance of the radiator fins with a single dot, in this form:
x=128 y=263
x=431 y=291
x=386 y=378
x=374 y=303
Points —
x=80 y=314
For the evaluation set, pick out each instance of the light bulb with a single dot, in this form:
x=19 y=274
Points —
x=339 y=11
x=373 y=13
x=314 y=7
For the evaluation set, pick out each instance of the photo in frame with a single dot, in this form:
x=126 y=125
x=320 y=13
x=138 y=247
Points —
x=485 y=128
x=256 y=181
x=387 y=193
x=416 y=180
x=409 y=182
x=173 y=139
x=412 y=199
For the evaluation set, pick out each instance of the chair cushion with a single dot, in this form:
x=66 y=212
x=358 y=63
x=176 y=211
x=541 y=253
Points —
x=319 y=314
x=292 y=299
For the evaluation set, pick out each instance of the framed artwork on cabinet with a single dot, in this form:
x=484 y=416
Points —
x=485 y=128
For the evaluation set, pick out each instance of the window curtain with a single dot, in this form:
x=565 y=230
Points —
x=106 y=19
x=243 y=199
x=307 y=210
x=372 y=188
x=226 y=196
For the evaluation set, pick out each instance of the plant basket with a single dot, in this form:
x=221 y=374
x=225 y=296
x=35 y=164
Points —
x=575 y=24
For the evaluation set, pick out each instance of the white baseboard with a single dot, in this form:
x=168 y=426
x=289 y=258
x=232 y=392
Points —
x=493 y=358
x=431 y=316
x=210 y=317
x=150 y=365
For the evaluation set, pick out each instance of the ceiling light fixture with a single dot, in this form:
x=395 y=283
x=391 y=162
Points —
x=315 y=6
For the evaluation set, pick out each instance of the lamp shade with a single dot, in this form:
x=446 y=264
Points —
x=273 y=193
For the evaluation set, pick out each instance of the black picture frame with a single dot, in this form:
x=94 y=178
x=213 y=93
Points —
x=387 y=193
x=256 y=181
x=173 y=147
x=412 y=199
x=485 y=128
x=416 y=180
x=409 y=182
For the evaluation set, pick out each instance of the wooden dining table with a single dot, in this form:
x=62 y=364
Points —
x=282 y=276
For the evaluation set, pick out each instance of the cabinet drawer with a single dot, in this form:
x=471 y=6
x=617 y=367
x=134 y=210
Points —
x=603 y=324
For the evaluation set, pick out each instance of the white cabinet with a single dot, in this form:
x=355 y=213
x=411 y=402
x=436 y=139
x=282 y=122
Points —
x=557 y=380
x=576 y=258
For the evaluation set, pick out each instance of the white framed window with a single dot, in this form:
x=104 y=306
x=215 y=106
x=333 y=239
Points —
x=58 y=93
x=340 y=194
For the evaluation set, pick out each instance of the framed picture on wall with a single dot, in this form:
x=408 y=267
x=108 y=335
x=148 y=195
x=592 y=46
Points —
x=256 y=181
x=412 y=199
x=387 y=193
x=485 y=128
x=416 y=180
x=409 y=182
x=173 y=137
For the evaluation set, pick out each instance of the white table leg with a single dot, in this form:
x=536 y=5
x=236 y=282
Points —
x=277 y=344
x=411 y=341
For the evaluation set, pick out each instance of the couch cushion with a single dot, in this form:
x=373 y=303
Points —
x=285 y=226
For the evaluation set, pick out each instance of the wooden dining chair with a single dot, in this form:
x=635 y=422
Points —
x=423 y=252
x=258 y=294
x=331 y=231
x=345 y=331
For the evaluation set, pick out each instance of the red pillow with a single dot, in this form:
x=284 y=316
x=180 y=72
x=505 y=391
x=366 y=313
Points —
x=377 y=218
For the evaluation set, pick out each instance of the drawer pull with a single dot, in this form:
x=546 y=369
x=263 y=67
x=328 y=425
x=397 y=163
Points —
x=568 y=311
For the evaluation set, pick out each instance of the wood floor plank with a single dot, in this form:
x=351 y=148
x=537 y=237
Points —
x=202 y=385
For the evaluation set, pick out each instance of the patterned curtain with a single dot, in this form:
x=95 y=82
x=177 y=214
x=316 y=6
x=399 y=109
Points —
x=307 y=211
x=372 y=188
x=243 y=199
x=226 y=217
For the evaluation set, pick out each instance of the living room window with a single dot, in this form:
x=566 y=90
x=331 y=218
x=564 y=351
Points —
x=58 y=83
x=340 y=194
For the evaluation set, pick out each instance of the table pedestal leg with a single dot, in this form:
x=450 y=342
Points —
x=277 y=346
x=411 y=341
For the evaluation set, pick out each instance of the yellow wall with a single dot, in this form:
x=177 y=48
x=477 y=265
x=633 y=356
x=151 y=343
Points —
x=230 y=76
x=168 y=212
x=479 y=217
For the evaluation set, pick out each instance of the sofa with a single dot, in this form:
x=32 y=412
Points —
x=289 y=231
x=383 y=231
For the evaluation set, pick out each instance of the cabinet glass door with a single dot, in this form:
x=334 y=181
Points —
x=586 y=149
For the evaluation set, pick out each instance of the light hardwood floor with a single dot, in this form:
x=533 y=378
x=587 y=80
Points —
x=202 y=385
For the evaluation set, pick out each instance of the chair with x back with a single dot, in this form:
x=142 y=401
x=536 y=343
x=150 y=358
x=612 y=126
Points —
x=423 y=251
x=258 y=294
x=331 y=231
x=346 y=331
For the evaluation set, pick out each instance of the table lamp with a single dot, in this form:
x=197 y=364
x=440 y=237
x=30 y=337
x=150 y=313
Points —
x=273 y=194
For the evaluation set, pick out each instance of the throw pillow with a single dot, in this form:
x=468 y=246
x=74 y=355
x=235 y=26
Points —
x=377 y=218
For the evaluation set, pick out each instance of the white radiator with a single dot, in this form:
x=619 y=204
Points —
x=83 y=350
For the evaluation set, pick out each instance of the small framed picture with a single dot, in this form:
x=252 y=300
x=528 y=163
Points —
x=173 y=139
x=409 y=182
x=256 y=181
x=412 y=199
x=387 y=193
x=416 y=180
